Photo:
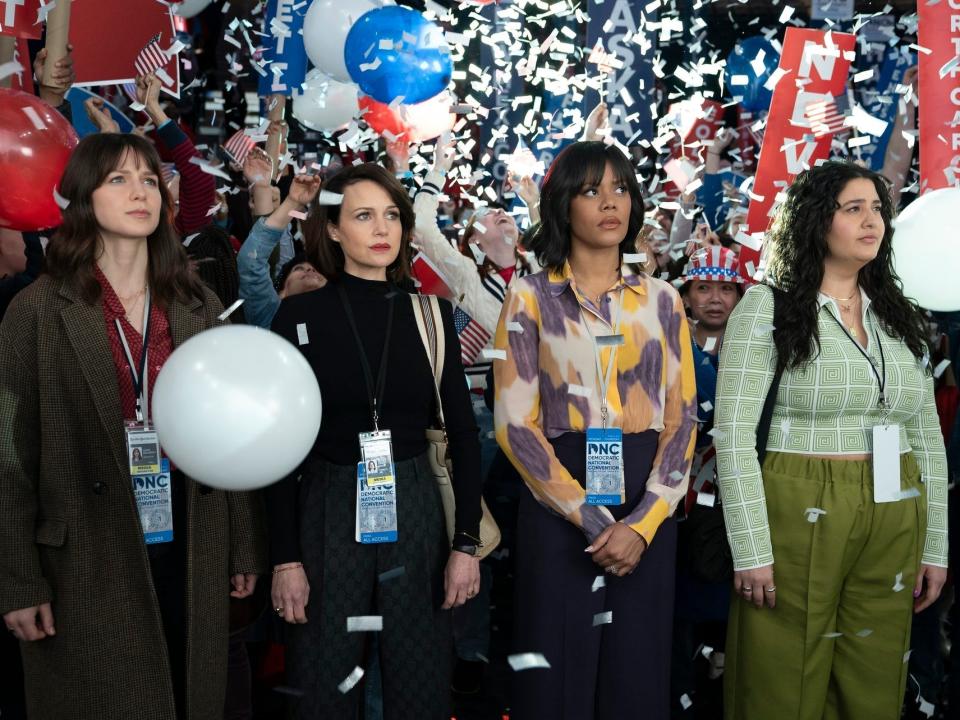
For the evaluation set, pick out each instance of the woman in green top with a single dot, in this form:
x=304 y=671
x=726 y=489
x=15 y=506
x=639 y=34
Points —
x=849 y=507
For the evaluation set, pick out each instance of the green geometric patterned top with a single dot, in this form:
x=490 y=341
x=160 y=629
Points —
x=828 y=406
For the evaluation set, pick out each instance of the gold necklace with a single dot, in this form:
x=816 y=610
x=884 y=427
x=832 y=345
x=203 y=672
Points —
x=133 y=297
x=841 y=301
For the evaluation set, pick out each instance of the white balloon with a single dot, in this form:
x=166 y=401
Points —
x=325 y=103
x=926 y=249
x=189 y=8
x=325 y=31
x=236 y=407
x=430 y=118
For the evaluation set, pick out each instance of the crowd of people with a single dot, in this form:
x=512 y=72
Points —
x=684 y=462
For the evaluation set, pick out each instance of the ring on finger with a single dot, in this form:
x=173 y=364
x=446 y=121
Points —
x=278 y=610
x=747 y=588
x=772 y=588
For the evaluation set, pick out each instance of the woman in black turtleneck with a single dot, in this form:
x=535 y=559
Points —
x=322 y=575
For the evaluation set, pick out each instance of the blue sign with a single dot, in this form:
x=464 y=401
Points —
x=76 y=96
x=285 y=59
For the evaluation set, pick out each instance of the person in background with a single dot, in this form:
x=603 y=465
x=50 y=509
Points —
x=711 y=288
x=593 y=345
x=297 y=274
x=838 y=509
x=83 y=592
x=359 y=334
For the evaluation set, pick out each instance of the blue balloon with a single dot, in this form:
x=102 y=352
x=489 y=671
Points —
x=395 y=52
x=756 y=97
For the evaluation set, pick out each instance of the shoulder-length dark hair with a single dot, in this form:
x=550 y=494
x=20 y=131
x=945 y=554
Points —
x=797 y=249
x=75 y=245
x=325 y=254
x=577 y=165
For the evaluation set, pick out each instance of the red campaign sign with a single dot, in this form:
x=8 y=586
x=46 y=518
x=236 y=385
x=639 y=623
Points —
x=939 y=90
x=19 y=18
x=109 y=35
x=698 y=125
x=819 y=61
x=431 y=280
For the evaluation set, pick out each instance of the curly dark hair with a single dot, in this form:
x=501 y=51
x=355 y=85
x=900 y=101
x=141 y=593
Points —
x=579 y=164
x=797 y=246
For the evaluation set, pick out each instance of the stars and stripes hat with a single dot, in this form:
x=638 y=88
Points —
x=715 y=263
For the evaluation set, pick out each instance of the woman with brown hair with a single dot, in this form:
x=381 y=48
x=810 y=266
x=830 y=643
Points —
x=359 y=333
x=98 y=602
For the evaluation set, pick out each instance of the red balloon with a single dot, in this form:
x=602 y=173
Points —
x=35 y=144
x=381 y=117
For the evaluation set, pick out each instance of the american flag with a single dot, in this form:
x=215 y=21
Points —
x=825 y=118
x=473 y=337
x=151 y=58
x=239 y=146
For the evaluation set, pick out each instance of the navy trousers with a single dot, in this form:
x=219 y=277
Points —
x=618 y=670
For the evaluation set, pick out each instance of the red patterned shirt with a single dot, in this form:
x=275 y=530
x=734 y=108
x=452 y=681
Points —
x=159 y=349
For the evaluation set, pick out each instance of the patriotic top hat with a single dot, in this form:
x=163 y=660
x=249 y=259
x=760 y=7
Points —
x=715 y=263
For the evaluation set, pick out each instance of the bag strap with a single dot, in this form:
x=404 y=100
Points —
x=766 y=416
x=426 y=310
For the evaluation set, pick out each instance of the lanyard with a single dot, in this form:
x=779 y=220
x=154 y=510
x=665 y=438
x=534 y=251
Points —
x=374 y=396
x=603 y=378
x=139 y=376
x=881 y=379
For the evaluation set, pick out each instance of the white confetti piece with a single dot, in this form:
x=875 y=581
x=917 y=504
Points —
x=137 y=107
x=598 y=582
x=710 y=344
x=329 y=198
x=491 y=354
x=861 y=76
x=927 y=708
x=10 y=68
x=909 y=493
x=866 y=632
x=906 y=655
x=34 y=118
x=60 y=200
x=603 y=618
x=514 y=326
x=706 y=406
x=706 y=499
x=785 y=426
x=676 y=476
x=716 y=434
x=226 y=313
x=297 y=214
x=579 y=390
x=302 y=338
x=391 y=574
x=941 y=366
x=832 y=635
x=685 y=701
x=763 y=329
x=639 y=258
x=527 y=661
x=365 y=623
x=786 y=14
x=210 y=169
x=813 y=514
x=352 y=679
x=898 y=584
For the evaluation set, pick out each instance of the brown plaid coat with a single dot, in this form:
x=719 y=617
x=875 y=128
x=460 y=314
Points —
x=70 y=533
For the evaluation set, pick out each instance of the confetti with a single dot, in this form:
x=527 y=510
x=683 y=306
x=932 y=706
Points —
x=598 y=582
x=297 y=214
x=813 y=514
x=60 y=200
x=226 y=313
x=685 y=701
x=706 y=499
x=832 y=635
x=514 y=326
x=864 y=633
x=329 y=198
x=638 y=258
x=941 y=367
x=365 y=623
x=527 y=661
x=352 y=679
x=709 y=345
x=897 y=584
x=34 y=118
x=579 y=390
x=491 y=354
x=603 y=618
x=391 y=574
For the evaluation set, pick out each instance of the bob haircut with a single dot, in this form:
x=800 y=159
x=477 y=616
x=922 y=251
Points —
x=76 y=244
x=578 y=165
x=325 y=254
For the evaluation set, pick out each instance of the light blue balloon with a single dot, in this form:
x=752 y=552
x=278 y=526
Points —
x=756 y=98
x=395 y=52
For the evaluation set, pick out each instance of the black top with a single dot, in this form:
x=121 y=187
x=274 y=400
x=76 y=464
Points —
x=407 y=408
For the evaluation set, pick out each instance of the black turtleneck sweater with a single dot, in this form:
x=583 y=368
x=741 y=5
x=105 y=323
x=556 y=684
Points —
x=407 y=408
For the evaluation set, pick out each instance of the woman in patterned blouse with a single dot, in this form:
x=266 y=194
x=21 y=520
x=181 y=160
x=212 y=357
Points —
x=854 y=478
x=594 y=588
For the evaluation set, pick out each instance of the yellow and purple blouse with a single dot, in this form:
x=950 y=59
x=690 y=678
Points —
x=546 y=385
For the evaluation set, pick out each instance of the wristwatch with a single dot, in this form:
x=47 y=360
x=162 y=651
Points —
x=471 y=550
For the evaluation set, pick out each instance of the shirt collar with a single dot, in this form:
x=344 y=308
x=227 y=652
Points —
x=112 y=307
x=562 y=279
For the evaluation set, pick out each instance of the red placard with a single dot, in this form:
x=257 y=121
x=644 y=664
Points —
x=939 y=32
x=19 y=18
x=699 y=123
x=108 y=35
x=431 y=280
x=820 y=61
x=23 y=80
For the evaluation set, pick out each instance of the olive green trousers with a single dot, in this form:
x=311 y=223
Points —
x=835 y=646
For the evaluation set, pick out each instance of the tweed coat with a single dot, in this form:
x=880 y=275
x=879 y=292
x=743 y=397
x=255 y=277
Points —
x=70 y=533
